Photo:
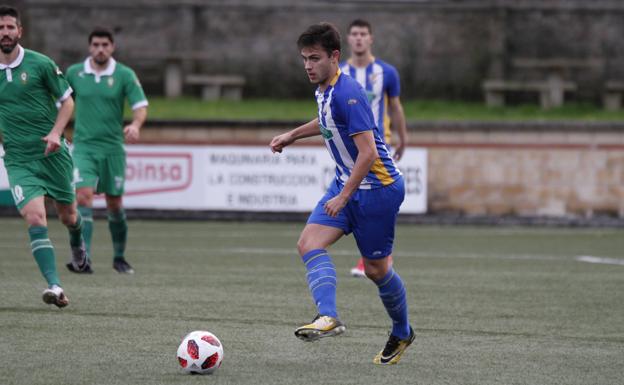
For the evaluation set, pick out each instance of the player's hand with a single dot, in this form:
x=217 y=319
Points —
x=334 y=205
x=131 y=133
x=398 y=151
x=53 y=142
x=279 y=142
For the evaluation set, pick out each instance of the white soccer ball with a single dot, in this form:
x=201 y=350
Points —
x=200 y=352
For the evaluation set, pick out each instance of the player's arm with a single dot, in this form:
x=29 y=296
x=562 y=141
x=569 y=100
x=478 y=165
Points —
x=397 y=124
x=53 y=139
x=133 y=91
x=132 y=130
x=367 y=154
x=307 y=130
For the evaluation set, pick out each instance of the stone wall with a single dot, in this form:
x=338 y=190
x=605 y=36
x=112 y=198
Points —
x=520 y=169
x=442 y=48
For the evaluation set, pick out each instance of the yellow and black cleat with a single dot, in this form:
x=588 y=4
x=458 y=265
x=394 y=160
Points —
x=394 y=349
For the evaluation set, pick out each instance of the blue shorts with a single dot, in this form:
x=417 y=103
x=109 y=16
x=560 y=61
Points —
x=370 y=214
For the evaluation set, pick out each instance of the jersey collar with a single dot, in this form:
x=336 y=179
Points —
x=17 y=61
x=110 y=69
x=335 y=78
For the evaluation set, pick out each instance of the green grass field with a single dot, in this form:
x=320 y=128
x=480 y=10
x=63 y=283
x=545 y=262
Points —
x=278 y=109
x=489 y=306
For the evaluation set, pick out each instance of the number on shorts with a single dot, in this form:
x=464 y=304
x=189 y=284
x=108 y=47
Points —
x=18 y=194
x=77 y=177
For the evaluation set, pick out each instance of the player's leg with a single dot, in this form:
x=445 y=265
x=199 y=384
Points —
x=84 y=196
x=59 y=176
x=320 y=232
x=118 y=227
x=28 y=193
x=112 y=171
x=394 y=298
x=358 y=270
x=321 y=278
x=35 y=215
x=374 y=233
x=71 y=218
x=85 y=181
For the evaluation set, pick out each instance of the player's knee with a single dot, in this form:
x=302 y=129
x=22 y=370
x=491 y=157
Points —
x=113 y=203
x=375 y=270
x=306 y=244
x=68 y=219
x=374 y=274
x=35 y=218
x=302 y=246
x=84 y=198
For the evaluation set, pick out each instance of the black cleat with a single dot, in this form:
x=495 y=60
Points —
x=80 y=263
x=122 y=266
x=395 y=347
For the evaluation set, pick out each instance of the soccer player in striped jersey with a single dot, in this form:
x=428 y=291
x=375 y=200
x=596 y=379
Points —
x=364 y=197
x=36 y=158
x=381 y=82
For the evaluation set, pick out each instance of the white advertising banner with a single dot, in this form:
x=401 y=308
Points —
x=243 y=178
x=163 y=177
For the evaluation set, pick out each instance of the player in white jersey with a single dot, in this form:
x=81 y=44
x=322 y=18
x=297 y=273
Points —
x=381 y=82
x=364 y=198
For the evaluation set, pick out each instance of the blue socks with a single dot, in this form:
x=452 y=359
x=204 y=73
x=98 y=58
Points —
x=394 y=298
x=322 y=281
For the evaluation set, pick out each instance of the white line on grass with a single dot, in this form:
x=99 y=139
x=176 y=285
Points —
x=600 y=260
x=422 y=254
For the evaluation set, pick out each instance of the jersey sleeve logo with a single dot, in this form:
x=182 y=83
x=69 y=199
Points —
x=352 y=101
x=58 y=71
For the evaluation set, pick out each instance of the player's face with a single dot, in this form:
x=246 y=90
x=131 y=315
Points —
x=10 y=33
x=101 y=49
x=318 y=64
x=360 y=40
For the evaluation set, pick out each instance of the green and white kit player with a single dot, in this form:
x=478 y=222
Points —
x=37 y=161
x=101 y=86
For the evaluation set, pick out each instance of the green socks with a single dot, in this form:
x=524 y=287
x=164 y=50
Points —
x=75 y=232
x=119 y=231
x=87 y=225
x=116 y=224
x=44 y=253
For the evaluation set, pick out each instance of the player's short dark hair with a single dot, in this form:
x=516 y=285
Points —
x=101 y=32
x=361 y=23
x=7 y=10
x=323 y=34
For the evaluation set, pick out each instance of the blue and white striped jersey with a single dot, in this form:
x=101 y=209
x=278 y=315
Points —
x=380 y=80
x=343 y=111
